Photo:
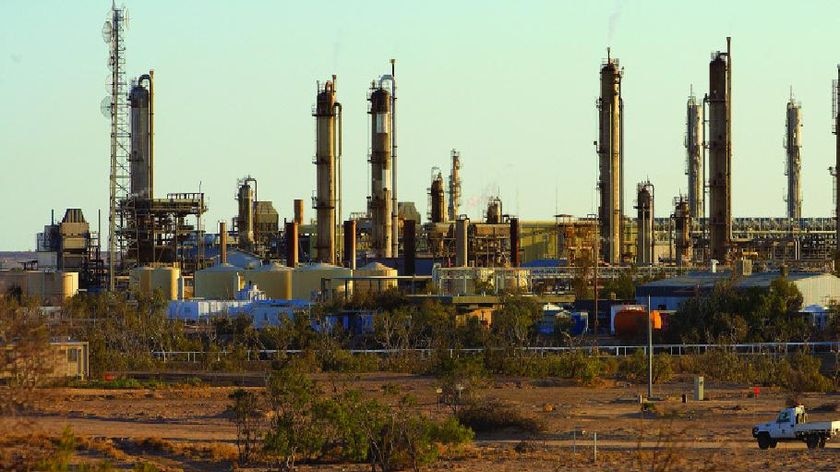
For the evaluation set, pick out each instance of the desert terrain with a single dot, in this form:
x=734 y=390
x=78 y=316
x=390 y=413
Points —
x=187 y=427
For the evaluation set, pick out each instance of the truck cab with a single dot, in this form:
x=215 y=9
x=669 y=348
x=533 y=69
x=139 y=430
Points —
x=785 y=425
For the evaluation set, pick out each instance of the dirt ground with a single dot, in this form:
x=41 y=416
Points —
x=187 y=428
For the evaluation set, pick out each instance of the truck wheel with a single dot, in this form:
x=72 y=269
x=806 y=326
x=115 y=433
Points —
x=764 y=441
x=822 y=442
x=812 y=441
x=773 y=443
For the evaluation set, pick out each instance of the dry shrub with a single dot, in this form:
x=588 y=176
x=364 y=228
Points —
x=494 y=415
x=105 y=447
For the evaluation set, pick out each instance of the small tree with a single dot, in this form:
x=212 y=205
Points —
x=293 y=432
x=514 y=324
x=246 y=417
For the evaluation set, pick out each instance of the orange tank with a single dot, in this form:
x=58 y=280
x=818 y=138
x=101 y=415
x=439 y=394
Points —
x=631 y=323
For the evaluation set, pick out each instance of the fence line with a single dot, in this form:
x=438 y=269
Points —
x=617 y=350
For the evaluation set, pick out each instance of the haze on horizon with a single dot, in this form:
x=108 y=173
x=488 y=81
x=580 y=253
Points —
x=512 y=87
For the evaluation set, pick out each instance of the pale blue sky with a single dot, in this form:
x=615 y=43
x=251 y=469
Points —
x=512 y=85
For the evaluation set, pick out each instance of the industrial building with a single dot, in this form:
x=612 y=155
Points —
x=62 y=360
x=667 y=294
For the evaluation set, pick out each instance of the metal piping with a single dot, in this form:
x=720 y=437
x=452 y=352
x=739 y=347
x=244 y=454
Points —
x=338 y=113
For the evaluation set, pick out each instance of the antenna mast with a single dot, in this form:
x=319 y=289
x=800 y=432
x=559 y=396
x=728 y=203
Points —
x=112 y=32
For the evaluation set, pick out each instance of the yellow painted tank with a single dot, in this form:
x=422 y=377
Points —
x=140 y=280
x=165 y=279
x=374 y=269
x=51 y=287
x=69 y=284
x=220 y=282
x=306 y=280
x=273 y=279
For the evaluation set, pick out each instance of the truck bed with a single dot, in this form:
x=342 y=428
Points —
x=819 y=426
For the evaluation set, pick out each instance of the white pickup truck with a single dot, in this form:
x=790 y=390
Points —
x=792 y=425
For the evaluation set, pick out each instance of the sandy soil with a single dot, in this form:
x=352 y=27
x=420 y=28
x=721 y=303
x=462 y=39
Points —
x=187 y=428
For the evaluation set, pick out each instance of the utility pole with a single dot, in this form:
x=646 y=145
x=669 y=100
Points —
x=650 y=350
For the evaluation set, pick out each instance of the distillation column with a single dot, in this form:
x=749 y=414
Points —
x=720 y=153
x=379 y=202
x=326 y=110
x=611 y=160
x=455 y=186
x=682 y=225
x=142 y=123
x=245 y=198
x=694 y=158
x=644 y=238
x=437 y=198
x=793 y=164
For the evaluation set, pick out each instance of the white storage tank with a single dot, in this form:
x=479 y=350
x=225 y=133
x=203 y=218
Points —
x=273 y=279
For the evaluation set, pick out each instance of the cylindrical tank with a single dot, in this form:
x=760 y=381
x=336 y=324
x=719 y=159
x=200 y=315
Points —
x=611 y=161
x=379 y=205
x=222 y=242
x=220 y=282
x=374 y=269
x=273 y=279
x=514 y=243
x=410 y=247
x=140 y=280
x=325 y=148
x=793 y=144
x=350 y=244
x=438 y=198
x=307 y=280
x=494 y=211
x=298 y=210
x=694 y=164
x=165 y=279
x=644 y=237
x=291 y=237
x=720 y=155
x=461 y=242
x=631 y=323
x=245 y=218
x=455 y=186
x=140 y=165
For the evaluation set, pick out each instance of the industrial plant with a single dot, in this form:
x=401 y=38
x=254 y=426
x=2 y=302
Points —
x=160 y=242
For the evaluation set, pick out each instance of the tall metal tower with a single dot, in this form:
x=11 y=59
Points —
x=611 y=160
x=835 y=171
x=793 y=163
x=327 y=151
x=113 y=31
x=455 y=186
x=719 y=101
x=694 y=157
